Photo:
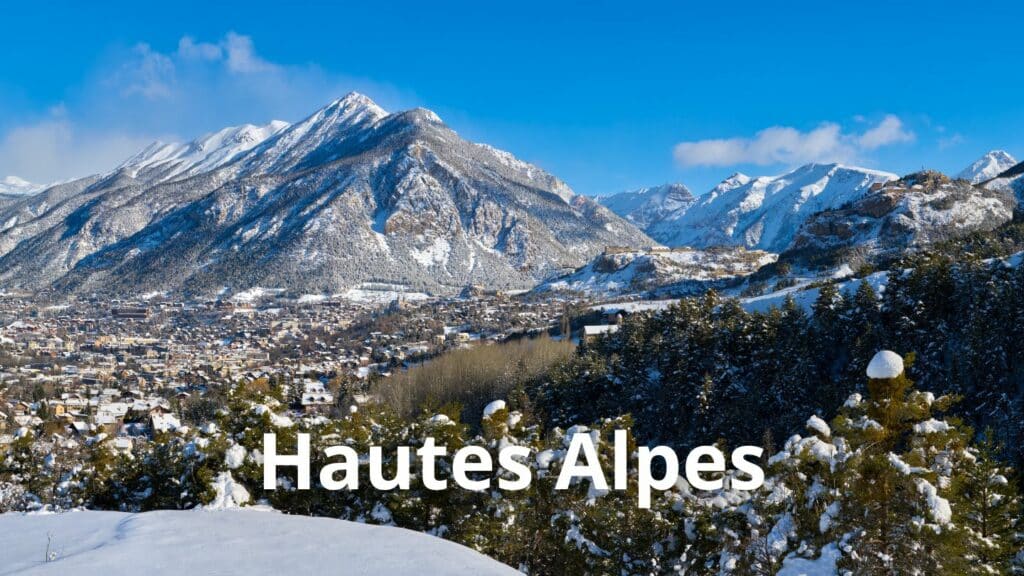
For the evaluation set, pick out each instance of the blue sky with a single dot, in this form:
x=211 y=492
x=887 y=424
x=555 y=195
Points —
x=606 y=95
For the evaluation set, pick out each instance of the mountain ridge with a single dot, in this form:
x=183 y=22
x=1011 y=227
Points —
x=348 y=195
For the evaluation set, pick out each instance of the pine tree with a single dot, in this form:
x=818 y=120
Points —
x=987 y=508
x=896 y=475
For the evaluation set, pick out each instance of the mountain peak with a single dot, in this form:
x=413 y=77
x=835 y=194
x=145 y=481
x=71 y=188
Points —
x=356 y=102
x=648 y=206
x=987 y=167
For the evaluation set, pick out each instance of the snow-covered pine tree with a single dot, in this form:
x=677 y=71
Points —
x=896 y=518
x=987 y=509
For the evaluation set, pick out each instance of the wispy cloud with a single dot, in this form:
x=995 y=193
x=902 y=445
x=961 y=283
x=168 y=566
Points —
x=787 y=145
x=54 y=148
x=889 y=131
x=142 y=93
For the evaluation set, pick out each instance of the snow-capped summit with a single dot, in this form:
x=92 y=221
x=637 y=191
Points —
x=357 y=103
x=163 y=161
x=885 y=364
x=766 y=212
x=13 y=185
x=647 y=206
x=320 y=137
x=736 y=180
x=987 y=167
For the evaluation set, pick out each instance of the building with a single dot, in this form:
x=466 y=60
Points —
x=591 y=333
x=315 y=396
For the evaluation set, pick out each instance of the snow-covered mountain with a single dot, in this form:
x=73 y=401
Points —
x=914 y=210
x=647 y=206
x=766 y=212
x=14 y=186
x=245 y=541
x=348 y=196
x=661 y=271
x=987 y=167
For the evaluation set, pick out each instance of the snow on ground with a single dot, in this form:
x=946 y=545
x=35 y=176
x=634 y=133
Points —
x=825 y=565
x=802 y=295
x=437 y=252
x=638 y=306
x=247 y=541
x=311 y=298
x=805 y=298
x=638 y=271
x=255 y=294
x=380 y=294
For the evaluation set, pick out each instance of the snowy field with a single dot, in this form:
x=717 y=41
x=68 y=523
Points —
x=225 y=542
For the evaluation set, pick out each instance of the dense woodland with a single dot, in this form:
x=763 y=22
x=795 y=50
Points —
x=707 y=369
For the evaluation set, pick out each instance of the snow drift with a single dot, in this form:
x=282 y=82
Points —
x=224 y=542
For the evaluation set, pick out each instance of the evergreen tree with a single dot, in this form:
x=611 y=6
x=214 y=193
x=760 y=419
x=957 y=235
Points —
x=897 y=471
x=987 y=508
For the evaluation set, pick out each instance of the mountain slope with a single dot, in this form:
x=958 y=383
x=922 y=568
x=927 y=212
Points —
x=646 y=206
x=987 y=167
x=917 y=209
x=766 y=212
x=242 y=541
x=347 y=196
x=677 y=272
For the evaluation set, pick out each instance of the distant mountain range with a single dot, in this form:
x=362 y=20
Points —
x=762 y=213
x=354 y=196
x=349 y=196
x=803 y=208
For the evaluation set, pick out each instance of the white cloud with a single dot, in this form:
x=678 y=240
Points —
x=950 y=141
x=141 y=94
x=190 y=49
x=889 y=131
x=241 y=56
x=150 y=74
x=54 y=149
x=787 y=145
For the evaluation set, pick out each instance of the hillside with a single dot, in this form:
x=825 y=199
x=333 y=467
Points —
x=917 y=209
x=225 y=542
x=677 y=272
